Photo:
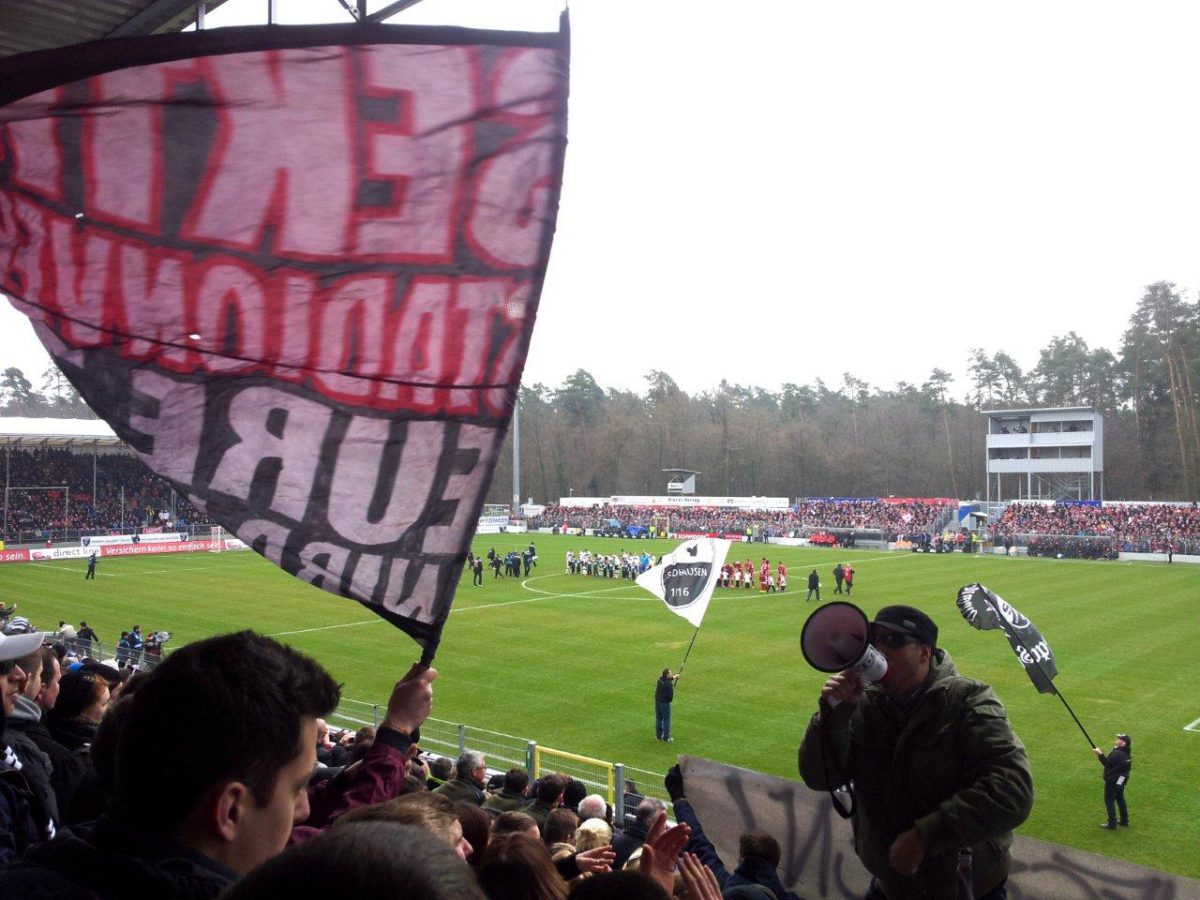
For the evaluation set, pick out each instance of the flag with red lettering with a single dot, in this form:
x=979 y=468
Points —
x=297 y=270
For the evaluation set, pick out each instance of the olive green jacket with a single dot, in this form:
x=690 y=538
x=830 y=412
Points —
x=949 y=764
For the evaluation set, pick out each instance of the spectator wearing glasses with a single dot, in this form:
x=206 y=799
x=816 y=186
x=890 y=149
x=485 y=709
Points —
x=935 y=765
x=470 y=777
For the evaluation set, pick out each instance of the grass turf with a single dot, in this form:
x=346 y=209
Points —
x=571 y=661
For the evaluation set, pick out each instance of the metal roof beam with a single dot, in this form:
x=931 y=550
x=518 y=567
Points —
x=155 y=16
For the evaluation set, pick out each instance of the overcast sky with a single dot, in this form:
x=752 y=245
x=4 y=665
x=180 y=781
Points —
x=770 y=192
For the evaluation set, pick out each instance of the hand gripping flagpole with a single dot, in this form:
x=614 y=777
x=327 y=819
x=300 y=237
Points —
x=986 y=610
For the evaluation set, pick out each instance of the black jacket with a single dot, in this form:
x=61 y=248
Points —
x=664 y=691
x=625 y=842
x=1117 y=762
x=76 y=788
x=114 y=861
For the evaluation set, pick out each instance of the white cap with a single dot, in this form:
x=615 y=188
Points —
x=15 y=646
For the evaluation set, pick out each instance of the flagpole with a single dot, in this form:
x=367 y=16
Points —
x=1057 y=692
x=1091 y=743
x=689 y=650
x=1037 y=662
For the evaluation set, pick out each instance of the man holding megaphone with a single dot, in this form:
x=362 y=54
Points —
x=938 y=777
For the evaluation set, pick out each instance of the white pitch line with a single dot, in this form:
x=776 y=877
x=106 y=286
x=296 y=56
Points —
x=545 y=595
x=65 y=570
x=327 y=627
x=1192 y=726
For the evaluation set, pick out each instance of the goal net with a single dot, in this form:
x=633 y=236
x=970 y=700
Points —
x=216 y=539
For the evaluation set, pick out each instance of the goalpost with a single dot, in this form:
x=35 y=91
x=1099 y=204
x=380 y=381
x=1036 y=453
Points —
x=216 y=539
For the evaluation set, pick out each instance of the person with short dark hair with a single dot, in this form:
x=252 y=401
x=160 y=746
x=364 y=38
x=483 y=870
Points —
x=548 y=794
x=511 y=795
x=212 y=767
x=814 y=586
x=664 y=695
x=441 y=770
x=85 y=637
x=82 y=701
x=515 y=822
x=1118 y=763
x=946 y=739
x=559 y=832
x=476 y=830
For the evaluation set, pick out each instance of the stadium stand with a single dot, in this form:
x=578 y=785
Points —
x=893 y=518
x=1094 y=531
x=126 y=495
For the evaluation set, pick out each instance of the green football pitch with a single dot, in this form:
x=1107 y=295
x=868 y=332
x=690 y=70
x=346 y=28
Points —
x=571 y=661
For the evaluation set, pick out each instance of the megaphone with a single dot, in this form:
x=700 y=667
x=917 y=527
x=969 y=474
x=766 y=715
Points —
x=834 y=639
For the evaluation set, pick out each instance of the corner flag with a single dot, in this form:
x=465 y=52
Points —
x=686 y=578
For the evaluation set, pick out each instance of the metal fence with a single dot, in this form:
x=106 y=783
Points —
x=506 y=751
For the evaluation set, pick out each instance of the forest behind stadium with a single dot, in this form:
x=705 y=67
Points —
x=839 y=438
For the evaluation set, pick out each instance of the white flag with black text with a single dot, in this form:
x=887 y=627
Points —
x=686 y=578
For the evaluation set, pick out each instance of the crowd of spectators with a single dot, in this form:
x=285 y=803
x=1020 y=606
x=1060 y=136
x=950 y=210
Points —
x=127 y=494
x=1105 y=529
x=215 y=774
x=895 y=518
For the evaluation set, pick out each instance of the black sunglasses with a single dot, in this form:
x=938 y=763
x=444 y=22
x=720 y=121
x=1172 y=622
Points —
x=891 y=639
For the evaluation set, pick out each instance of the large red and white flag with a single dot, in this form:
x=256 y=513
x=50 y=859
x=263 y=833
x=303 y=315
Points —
x=297 y=270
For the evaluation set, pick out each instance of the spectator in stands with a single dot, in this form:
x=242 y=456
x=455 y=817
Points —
x=593 y=806
x=469 y=778
x=476 y=829
x=85 y=638
x=548 y=794
x=515 y=822
x=330 y=754
x=364 y=739
x=364 y=861
x=69 y=771
x=518 y=867
x=36 y=765
x=559 y=833
x=635 y=834
x=758 y=852
x=82 y=701
x=212 y=765
x=575 y=791
x=591 y=833
x=441 y=770
x=22 y=820
x=430 y=812
x=512 y=794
